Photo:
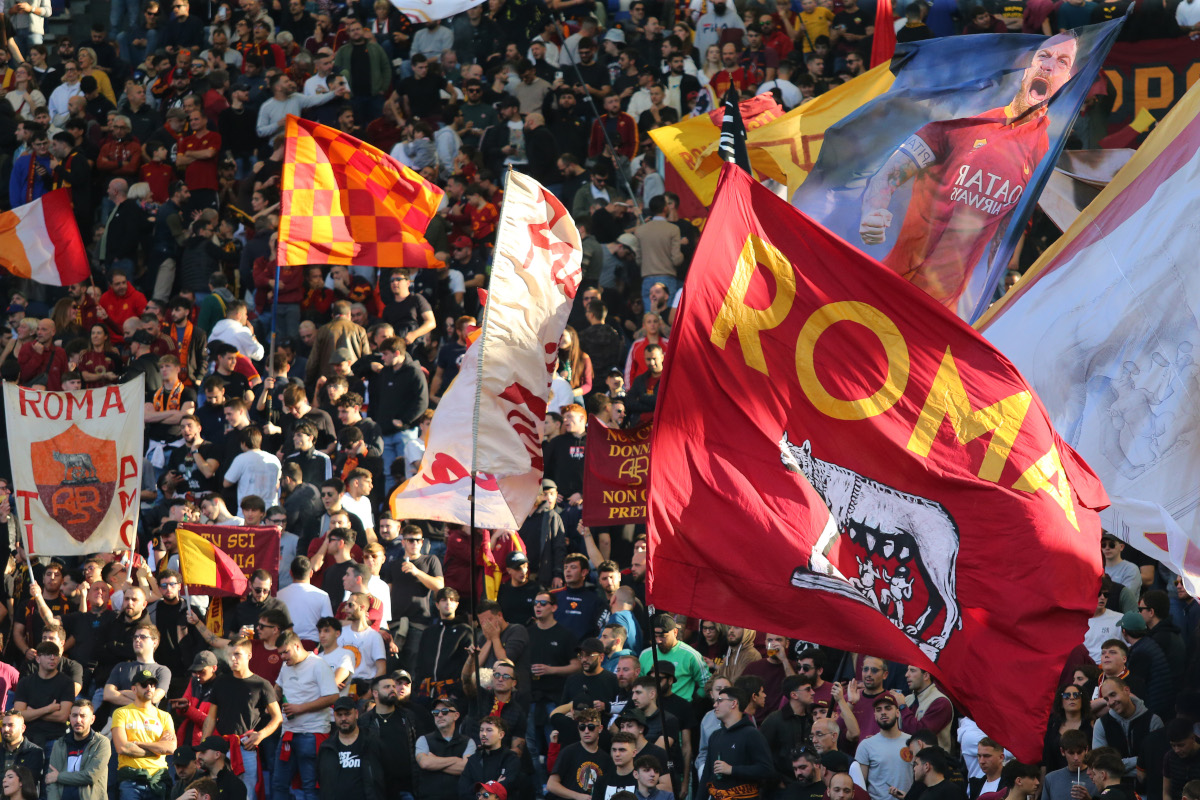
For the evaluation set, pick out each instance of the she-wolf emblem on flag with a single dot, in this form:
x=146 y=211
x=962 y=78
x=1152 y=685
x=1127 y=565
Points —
x=882 y=547
x=76 y=477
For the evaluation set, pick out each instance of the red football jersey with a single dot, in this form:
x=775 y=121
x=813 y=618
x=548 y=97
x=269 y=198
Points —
x=202 y=174
x=981 y=167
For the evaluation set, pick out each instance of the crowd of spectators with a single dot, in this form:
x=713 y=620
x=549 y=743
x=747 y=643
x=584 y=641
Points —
x=359 y=668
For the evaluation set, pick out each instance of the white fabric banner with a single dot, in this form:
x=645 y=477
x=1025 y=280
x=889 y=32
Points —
x=428 y=10
x=77 y=466
x=1106 y=325
x=535 y=275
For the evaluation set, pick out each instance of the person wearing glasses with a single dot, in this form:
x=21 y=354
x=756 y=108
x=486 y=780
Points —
x=118 y=689
x=582 y=764
x=257 y=601
x=1124 y=573
x=182 y=30
x=492 y=772
x=552 y=653
x=442 y=755
x=1071 y=712
x=792 y=723
x=502 y=696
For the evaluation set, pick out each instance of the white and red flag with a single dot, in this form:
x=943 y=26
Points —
x=500 y=394
x=77 y=467
x=41 y=241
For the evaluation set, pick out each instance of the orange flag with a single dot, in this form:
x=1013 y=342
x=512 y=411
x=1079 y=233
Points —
x=346 y=202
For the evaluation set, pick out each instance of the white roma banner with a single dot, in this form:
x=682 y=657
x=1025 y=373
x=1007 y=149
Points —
x=1106 y=326
x=429 y=10
x=535 y=275
x=77 y=466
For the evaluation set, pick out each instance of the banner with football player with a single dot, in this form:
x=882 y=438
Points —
x=937 y=177
x=871 y=464
x=77 y=466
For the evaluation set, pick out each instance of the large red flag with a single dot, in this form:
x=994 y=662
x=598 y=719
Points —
x=865 y=471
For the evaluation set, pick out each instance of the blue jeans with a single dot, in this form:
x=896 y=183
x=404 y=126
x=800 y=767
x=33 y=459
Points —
x=303 y=758
x=250 y=776
x=672 y=283
x=123 y=15
x=536 y=742
x=129 y=790
x=393 y=448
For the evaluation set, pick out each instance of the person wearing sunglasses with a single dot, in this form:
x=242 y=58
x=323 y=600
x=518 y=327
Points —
x=1121 y=571
x=493 y=770
x=581 y=764
x=442 y=755
x=552 y=651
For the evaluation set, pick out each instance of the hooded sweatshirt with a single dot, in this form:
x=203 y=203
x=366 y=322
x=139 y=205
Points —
x=746 y=751
x=738 y=656
x=1126 y=735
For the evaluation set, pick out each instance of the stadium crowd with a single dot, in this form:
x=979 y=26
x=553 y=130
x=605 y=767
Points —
x=359 y=669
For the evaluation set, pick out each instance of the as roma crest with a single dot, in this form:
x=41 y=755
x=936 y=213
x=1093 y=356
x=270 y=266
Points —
x=76 y=477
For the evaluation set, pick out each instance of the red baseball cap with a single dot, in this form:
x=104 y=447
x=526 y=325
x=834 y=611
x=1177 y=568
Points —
x=462 y=241
x=493 y=787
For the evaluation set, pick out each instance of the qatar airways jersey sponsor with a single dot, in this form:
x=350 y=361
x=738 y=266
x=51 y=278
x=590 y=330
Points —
x=974 y=172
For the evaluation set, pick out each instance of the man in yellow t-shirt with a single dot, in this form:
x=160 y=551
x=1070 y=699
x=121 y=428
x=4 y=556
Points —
x=143 y=736
x=814 y=23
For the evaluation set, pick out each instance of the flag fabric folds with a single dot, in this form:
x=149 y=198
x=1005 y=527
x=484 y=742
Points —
x=691 y=146
x=346 y=202
x=733 y=133
x=937 y=178
x=880 y=468
x=1105 y=326
x=203 y=564
x=427 y=10
x=503 y=383
x=40 y=241
x=794 y=140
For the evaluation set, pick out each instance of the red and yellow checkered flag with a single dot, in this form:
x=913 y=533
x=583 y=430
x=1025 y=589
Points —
x=346 y=202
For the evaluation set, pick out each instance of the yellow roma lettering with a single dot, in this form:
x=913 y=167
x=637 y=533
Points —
x=1042 y=474
x=948 y=399
x=750 y=322
x=893 y=344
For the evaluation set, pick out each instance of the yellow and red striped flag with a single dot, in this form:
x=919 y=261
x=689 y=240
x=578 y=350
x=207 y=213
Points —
x=346 y=202
x=202 y=563
x=41 y=241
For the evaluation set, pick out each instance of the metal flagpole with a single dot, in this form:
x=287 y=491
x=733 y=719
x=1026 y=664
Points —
x=482 y=340
x=274 y=325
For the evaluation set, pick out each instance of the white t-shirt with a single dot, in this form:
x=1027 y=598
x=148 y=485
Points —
x=1100 y=630
x=309 y=680
x=360 y=508
x=257 y=473
x=339 y=658
x=305 y=604
x=366 y=646
x=377 y=587
x=315 y=82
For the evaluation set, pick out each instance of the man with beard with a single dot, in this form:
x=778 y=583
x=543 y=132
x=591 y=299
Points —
x=970 y=174
x=592 y=679
x=116 y=637
x=79 y=759
x=807 y=783
x=882 y=756
x=350 y=762
x=395 y=725
x=443 y=755
x=874 y=676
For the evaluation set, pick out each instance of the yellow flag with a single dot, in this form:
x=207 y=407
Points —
x=794 y=140
x=691 y=146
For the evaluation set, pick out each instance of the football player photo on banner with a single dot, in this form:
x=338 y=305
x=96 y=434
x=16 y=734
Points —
x=937 y=177
x=77 y=466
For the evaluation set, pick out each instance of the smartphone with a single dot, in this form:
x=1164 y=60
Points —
x=558 y=76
